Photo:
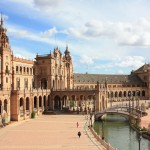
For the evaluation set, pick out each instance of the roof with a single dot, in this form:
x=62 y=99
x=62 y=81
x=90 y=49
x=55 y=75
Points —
x=102 y=78
x=144 y=67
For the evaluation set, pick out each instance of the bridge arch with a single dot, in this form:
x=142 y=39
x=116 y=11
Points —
x=100 y=116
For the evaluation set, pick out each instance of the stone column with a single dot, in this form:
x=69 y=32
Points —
x=61 y=103
x=37 y=106
x=24 y=108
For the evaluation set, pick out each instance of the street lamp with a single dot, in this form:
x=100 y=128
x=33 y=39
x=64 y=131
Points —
x=102 y=130
x=129 y=94
x=91 y=118
x=139 y=139
x=94 y=102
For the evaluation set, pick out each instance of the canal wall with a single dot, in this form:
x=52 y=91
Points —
x=102 y=142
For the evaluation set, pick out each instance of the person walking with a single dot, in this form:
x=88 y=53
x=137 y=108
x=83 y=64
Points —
x=77 y=124
x=79 y=134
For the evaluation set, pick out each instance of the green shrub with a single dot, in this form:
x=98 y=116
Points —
x=33 y=114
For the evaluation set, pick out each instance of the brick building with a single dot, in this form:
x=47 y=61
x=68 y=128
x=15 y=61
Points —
x=50 y=83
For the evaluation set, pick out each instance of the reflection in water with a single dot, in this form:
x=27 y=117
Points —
x=118 y=133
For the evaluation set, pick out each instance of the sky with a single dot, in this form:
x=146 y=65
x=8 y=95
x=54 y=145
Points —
x=103 y=36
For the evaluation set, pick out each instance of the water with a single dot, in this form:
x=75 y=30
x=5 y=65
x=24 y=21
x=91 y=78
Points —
x=118 y=133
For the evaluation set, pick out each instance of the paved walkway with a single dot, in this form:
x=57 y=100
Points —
x=145 y=121
x=49 y=132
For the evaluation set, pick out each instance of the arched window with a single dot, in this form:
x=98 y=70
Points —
x=116 y=94
x=35 y=102
x=6 y=79
x=124 y=93
x=27 y=103
x=143 y=93
x=40 y=101
x=120 y=94
x=16 y=69
x=5 y=105
x=20 y=70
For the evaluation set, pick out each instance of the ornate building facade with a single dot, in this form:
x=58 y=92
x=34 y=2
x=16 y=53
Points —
x=50 y=83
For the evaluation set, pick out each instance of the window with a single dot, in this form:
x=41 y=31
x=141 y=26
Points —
x=25 y=82
x=16 y=69
x=24 y=70
x=6 y=79
x=17 y=83
x=7 y=71
x=31 y=71
x=20 y=70
x=27 y=70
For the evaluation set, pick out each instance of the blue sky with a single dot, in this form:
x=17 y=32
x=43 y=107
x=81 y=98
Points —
x=104 y=36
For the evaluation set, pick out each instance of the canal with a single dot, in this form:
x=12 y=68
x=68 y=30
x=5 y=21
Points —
x=118 y=133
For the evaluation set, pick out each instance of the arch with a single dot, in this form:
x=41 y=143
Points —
x=100 y=115
x=21 y=102
x=27 y=103
x=24 y=70
x=40 y=101
x=112 y=94
x=116 y=94
x=57 y=103
x=35 y=102
x=133 y=93
x=20 y=70
x=27 y=70
x=143 y=93
x=30 y=71
x=21 y=106
x=120 y=94
x=129 y=93
x=138 y=93
x=64 y=101
x=43 y=83
x=49 y=103
x=5 y=105
x=44 y=102
x=125 y=94
x=16 y=69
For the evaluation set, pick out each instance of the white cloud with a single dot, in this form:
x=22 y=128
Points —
x=119 y=72
x=131 y=61
x=104 y=66
x=49 y=32
x=44 y=37
x=23 y=53
x=86 y=60
x=47 y=3
x=124 y=33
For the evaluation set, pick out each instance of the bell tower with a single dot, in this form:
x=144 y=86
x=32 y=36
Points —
x=5 y=58
x=69 y=68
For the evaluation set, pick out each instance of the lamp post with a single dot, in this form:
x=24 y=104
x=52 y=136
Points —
x=91 y=118
x=139 y=139
x=129 y=101
x=94 y=103
x=102 y=130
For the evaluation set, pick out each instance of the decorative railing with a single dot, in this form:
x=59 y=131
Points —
x=21 y=113
x=27 y=112
x=102 y=142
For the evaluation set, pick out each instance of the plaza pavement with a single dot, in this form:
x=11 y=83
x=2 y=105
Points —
x=48 y=132
x=145 y=121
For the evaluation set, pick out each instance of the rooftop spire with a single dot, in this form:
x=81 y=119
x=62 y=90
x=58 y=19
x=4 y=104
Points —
x=1 y=20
